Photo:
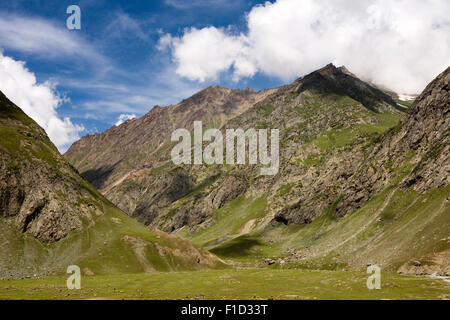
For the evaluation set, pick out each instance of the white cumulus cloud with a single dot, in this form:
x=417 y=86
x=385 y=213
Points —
x=203 y=54
x=38 y=101
x=124 y=117
x=401 y=44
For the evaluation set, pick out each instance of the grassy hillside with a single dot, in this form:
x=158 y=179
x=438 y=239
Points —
x=114 y=244
x=51 y=218
x=393 y=228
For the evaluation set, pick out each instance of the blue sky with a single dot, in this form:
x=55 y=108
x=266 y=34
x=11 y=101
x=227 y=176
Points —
x=132 y=55
x=117 y=68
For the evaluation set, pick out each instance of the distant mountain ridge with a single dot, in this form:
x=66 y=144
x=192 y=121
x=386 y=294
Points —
x=142 y=138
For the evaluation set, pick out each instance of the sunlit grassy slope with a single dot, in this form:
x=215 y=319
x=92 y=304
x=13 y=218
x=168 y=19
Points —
x=390 y=230
x=231 y=221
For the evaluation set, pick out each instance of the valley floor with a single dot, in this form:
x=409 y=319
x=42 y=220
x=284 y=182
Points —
x=284 y=284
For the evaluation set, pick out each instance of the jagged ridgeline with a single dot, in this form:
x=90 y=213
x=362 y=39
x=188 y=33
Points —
x=51 y=218
x=362 y=178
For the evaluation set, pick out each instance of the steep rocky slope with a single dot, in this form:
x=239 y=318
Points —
x=394 y=210
x=50 y=217
x=353 y=185
x=392 y=206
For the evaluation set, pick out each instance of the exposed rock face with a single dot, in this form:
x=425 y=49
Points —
x=341 y=81
x=427 y=131
x=231 y=187
x=37 y=186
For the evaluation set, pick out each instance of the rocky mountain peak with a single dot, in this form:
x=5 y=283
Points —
x=101 y=158
x=340 y=81
x=327 y=70
x=344 y=69
x=331 y=69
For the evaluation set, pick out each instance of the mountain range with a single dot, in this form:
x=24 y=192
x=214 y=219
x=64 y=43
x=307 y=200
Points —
x=363 y=179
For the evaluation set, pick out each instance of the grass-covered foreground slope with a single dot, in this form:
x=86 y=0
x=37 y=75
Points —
x=51 y=218
x=396 y=229
x=230 y=284
x=115 y=244
x=327 y=119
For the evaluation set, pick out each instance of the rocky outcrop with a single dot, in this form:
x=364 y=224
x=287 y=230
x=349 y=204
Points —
x=230 y=188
